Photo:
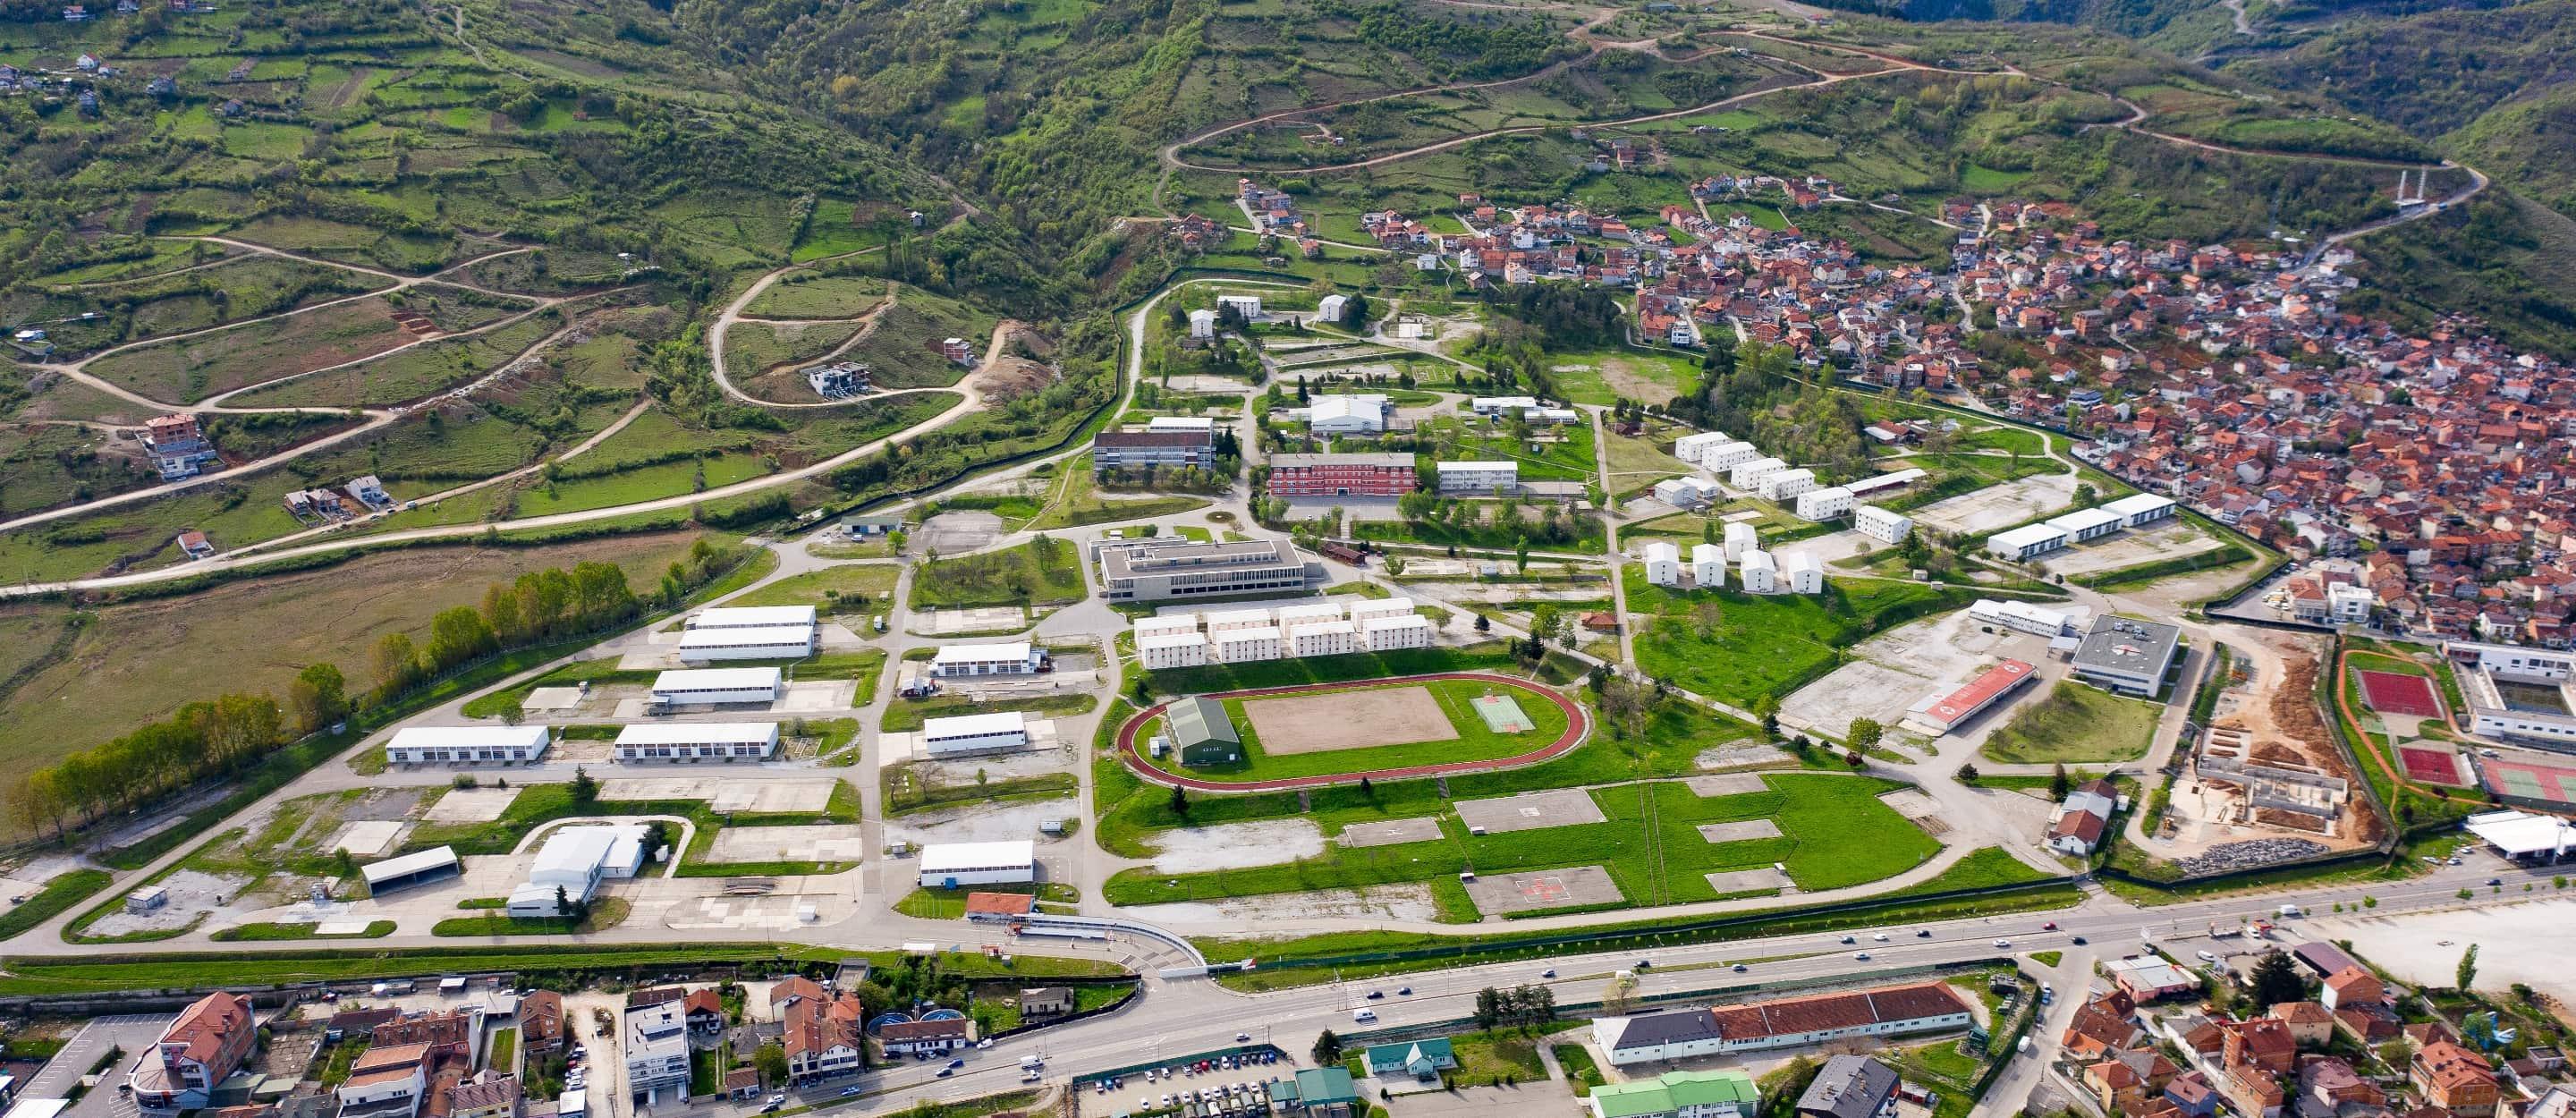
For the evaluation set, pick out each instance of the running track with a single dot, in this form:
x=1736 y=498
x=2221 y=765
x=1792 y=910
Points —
x=1576 y=727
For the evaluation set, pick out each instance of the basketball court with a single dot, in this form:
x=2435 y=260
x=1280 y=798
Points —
x=1502 y=714
x=1328 y=720
x=2392 y=693
x=1530 y=811
x=1543 y=889
x=2532 y=781
x=2431 y=764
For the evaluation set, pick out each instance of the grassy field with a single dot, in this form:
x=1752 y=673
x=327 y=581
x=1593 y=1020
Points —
x=1835 y=833
x=72 y=974
x=58 y=896
x=803 y=294
x=851 y=588
x=2077 y=723
x=136 y=662
x=1738 y=648
x=1041 y=570
x=1077 y=501
x=193 y=368
x=1473 y=741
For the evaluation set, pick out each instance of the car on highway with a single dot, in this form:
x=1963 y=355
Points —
x=1241 y=1037
x=2049 y=927
x=956 y=1063
x=946 y=1072
x=1375 y=995
x=2495 y=881
x=849 y=1091
x=1922 y=933
x=2001 y=943
x=2077 y=941
x=1850 y=939
x=1404 y=991
x=2208 y=957
x=1548 y=973
x=1863 y=956
x=1879 y=938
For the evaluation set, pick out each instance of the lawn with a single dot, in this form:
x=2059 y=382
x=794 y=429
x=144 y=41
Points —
x=1078 y=501
x=1473 y=740
x=58 y=895
x=907 y=715
x=605 y=913
x=1041 y=570
x=504 y=1056
x=950 y=904
x=1738 y=648
x=849 y=588
x=1835 y=833
x=2077 y=723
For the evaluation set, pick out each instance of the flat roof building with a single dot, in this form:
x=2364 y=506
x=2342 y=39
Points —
x=1158 y=571
x=416 y=868
x=1948 y=712
x=747 y=642
x=573 y=862
x=2524 y=837
x=1478 y=477
x=2029 y=541
x=2140 y=508
x=1010 y=658
x=1850 y=1087
x=1787 y=1023
x=2087 y=524
x=1727 y=1093
x=1342 y=475
x=694 y=742
x=749 y=617
x=2126 y=655
x=975 y=733
x=712 y=686
x=1882 y=525
x=467 y=745
x=951 y=864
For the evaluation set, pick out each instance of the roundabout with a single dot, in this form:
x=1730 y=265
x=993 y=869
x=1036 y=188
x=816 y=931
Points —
x=1321 y=734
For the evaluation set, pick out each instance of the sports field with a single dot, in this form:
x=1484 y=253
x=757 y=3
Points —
x=1325 y=721
x=2391 y=693
x=2431 y=766
x=1349 y=729
x=2556 y=783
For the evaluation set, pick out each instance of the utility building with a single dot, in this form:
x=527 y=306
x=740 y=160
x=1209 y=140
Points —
x=467 y=745
x=1201 y=734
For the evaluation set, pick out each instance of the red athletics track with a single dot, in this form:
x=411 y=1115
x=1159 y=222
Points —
x=1576 y=726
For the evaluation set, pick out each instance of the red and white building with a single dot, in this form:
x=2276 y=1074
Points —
x=1955 y=709
x=203 y=1046
x=1342 y=475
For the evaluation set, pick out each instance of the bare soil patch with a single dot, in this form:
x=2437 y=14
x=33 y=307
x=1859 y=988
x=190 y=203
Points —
x=1333 y=720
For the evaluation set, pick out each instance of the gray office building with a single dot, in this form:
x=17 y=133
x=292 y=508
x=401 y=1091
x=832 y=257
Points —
x=2127 y=656
x=1158 y=571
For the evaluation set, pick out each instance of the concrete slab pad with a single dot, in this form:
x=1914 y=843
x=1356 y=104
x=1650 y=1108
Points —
x=956 y=533
x=826 y=843
x=367 y=838
x=1543 y=889
x=471 y=805
x=552 y=698
x=1390 y=833
x=1741 y=831
x=726 y=794
x=1727 y=784
x=356 y=927
x=1911 y=803
x=1751 y=881
x=1529 y=811
x=819 y=696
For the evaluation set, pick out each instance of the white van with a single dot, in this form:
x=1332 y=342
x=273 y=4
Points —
x=1363 y=1016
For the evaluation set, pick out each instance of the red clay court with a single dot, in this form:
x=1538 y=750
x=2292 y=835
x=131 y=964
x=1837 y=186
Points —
x=2391 y=693
x=2431 y=766
x=2530 y=781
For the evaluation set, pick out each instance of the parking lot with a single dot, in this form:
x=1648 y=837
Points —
x=1207 y=1087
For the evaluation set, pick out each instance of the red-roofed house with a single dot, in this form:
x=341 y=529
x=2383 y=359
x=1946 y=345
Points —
x=2455 y=1079
x=206 y=1043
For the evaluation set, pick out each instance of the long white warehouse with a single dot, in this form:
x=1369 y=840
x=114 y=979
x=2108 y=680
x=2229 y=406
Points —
x=974 y=733
x=701 y=686
x=951 y=864
x=467 y=745
x=1009 y=658
x=749 y=617
x=747 y=642
x=693 y=742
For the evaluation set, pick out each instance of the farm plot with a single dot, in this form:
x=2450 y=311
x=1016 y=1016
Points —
x=410 y=374
x=806 y=295
x=193 y=368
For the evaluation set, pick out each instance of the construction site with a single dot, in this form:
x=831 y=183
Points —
x=2264 y=782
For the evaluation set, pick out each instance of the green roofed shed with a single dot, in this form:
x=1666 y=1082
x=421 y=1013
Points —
x=1320 y=1093
x=1676 y=1093
x=1201 y=733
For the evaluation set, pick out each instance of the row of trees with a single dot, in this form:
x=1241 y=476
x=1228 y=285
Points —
x=538 y=607
x=202 y=739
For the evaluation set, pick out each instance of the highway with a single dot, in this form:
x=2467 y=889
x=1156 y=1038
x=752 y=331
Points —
x=1179 y=1018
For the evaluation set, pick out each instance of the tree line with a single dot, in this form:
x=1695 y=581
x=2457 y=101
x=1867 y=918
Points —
x=232 y=732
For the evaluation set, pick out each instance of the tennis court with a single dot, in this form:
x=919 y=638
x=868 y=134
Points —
x=2391 y=693
x=2530 y=781
x=2431 y=765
